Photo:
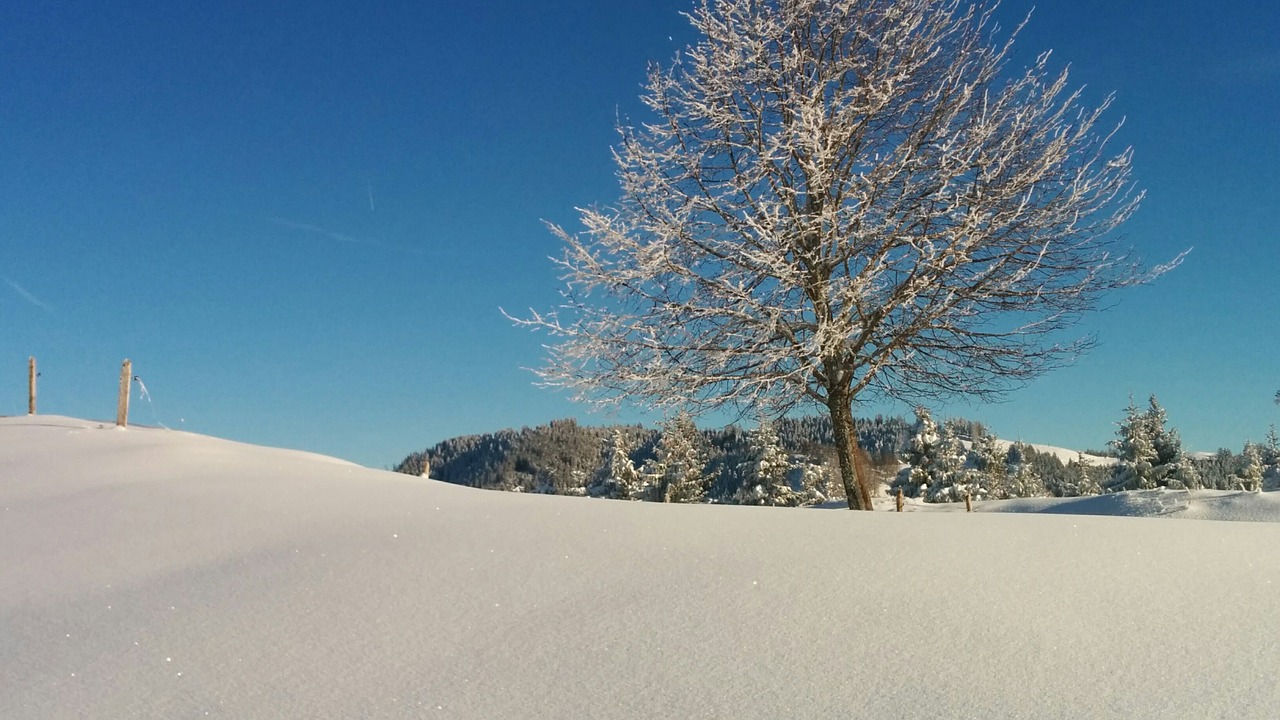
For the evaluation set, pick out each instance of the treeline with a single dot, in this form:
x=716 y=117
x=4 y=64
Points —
x=793 y=461
x=566 y=458
x=946 y=463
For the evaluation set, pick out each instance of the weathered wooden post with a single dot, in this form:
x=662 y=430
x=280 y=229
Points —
x=898 y=501
x=31 y=385
x=122 y=406
x=968 y=501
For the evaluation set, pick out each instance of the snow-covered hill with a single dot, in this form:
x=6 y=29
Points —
x=157 y=574
x=1062 y=454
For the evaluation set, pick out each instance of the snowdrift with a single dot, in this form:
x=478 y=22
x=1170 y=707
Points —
x=159 y=574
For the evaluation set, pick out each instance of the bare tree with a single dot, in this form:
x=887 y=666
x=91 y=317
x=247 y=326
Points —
x=837 y=200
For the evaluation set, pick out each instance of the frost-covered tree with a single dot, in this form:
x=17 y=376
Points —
x=1270 y=456
x=841 y=199
x=1186 y=476
x=952 y=454
x=677 y=473
x=1150 y=454
x=765 y=475
x=989 y=460
x=1078 y=480
x=1024 y=482
x=1218 y=471
x=939 y=467
x=1135 y=445
x=951 y=477
x=816 y=484
x=921 y=457
x=1166 y=441
x=1022 y=478
x=619 y=478
x=1251 y=471
x=1271 y=448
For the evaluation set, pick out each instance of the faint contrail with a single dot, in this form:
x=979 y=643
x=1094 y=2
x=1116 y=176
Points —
x=27 y=296
x=337 y=236
x=369 y=185
x=340 y=237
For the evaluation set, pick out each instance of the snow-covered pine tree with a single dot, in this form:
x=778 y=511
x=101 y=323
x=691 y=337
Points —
x=1166 y=442
x=939 y=467
x=1218 y=472
x=1271 y=460
x=817 y=484
x=921 y=457
x=1186 y=476
x=1023 y=480
x=1135 y=444
x=949 y=477
x=681 y=462
x=1026 y=483
x=620 y=478
x=1251 y=471
x=989 y=460
x=765 y=474
x=1271 y=448
x=1079 y=481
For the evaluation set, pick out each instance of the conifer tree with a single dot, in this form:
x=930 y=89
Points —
x=989 y=460
x=1186 y=476
x=622 y=480
x=921 y=456
x=949 y=479
x=1136 y=447
x=1166 y=442
x=1217 y=472
x=765 y=474
x=816 y=483
x=681 y=462
x=1079 y=481
x=1023 y=480
x=939 y=467
x=1251 y=472
x=1270 y=455
x=1271 y=448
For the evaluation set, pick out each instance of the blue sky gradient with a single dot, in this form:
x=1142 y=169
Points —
x=299 y=219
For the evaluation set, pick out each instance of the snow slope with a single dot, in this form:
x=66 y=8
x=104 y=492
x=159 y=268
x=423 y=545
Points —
x=158 y=574
x=1062 y=454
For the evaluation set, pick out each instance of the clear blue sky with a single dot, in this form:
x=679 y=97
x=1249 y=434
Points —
x=299 y=219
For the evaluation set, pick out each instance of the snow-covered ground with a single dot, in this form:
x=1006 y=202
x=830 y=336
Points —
x=1220 y=505
x=159 y=574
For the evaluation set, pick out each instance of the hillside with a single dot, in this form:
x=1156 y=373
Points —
x=157 y=574
x=563 y=457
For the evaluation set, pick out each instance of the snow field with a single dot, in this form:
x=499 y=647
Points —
x=158 y=574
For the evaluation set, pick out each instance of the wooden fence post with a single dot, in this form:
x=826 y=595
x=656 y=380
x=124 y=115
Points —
x=899 y=500
x=31 y=385
x=122 y=406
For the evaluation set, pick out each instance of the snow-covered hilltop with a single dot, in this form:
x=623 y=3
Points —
x=1064 y=455
x=157 y=574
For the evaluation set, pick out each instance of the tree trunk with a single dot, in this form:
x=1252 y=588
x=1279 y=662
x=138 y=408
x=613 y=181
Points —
x=856 y=490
